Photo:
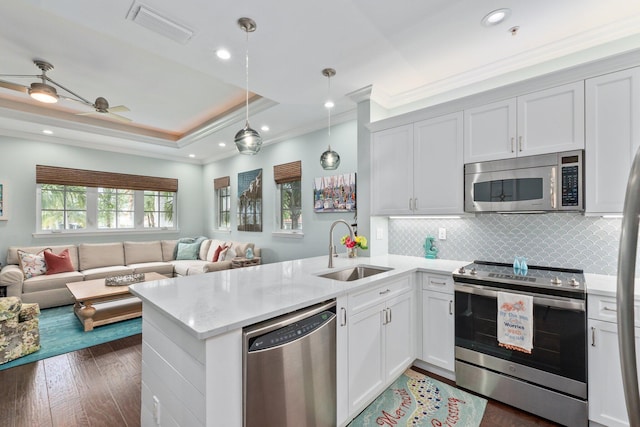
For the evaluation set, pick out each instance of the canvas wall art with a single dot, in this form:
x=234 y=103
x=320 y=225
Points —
x=250 y=200
x=3 y=202
x=335 y=193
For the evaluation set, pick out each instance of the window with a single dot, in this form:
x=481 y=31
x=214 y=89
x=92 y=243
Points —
x=223 y=202
x=288 y=178
x=73 y=199
x=63 y=207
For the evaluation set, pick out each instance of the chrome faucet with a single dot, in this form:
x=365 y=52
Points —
x=331 y=247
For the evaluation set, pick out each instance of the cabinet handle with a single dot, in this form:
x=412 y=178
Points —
x=593 y=336
x=520 y=144
x=438 y=283
x=384 y=316
x=343 y=311
x=609 y=309
x=451 y=307
x=410 y=204
x=389 y=311
x=512 y=146
x=385 y=292
x=415 y=204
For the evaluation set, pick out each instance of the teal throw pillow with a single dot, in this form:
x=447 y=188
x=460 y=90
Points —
x=188 y=250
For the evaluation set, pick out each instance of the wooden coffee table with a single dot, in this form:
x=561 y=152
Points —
x=98 y=304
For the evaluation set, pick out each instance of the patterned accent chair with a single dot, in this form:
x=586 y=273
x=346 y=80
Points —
x=19 y=329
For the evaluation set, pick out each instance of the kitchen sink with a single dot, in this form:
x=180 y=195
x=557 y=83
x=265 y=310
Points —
x=350 y=274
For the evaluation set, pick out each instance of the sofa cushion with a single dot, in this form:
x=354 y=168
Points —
x=139 y=252
x=227 y=254
x=168 y=249
x=12 y=253
x=159 y=267
x=188 y=251
x=56 y=281
x=102 y=272
x=32 y=264
x=189 y=267
x=97 y=255
x=204 y=249
x=58 y=263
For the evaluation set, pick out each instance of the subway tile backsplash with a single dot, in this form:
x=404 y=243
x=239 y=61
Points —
x=553 y=239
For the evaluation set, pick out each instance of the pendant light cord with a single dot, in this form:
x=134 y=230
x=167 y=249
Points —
x=329 y=92
x=247 y=76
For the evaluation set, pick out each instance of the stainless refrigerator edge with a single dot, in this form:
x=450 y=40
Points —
x=625 y=293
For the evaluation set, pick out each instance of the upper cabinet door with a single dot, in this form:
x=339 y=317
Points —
x=490 y=131
x=612 y=138
x=392 y=171
x=551 y=120
x=438 y=165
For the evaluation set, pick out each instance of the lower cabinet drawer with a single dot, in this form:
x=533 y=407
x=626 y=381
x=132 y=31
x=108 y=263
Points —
x=605 y=308
x=377 y=293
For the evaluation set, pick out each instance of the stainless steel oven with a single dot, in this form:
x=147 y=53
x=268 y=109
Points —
x=551 y=380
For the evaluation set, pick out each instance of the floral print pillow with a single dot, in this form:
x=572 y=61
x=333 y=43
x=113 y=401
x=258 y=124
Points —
x=32 y=264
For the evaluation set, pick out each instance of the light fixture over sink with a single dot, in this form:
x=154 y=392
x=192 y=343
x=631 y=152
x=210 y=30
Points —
x=248 y=141
x=330 y=160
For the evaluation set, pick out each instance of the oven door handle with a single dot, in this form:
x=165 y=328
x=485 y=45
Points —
x=557 y=302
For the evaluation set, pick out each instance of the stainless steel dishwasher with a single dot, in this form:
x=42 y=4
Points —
x=289 y=365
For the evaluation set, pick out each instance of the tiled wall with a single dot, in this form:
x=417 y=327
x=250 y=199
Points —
x=553 y=239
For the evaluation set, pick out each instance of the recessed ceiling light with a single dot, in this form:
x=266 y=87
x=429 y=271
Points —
x=329 y=104
x=222 y=144
x=223 y=54
x=47 y=132
x=265 y=128
x=495 y=17
x=192 y=155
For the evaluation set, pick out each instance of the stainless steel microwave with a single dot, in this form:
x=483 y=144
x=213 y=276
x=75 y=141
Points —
x=542 y=183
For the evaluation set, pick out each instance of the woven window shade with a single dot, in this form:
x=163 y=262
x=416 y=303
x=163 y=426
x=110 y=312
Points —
x=287 y=172
x=87 y=178
x=221 y=182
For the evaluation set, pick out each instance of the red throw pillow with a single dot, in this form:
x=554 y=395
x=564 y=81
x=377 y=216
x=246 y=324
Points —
x=216 y=254
x=58 y=263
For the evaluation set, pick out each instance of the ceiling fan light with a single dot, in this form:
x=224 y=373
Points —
x=248 y=141
x=43 y=93
x=330 y=160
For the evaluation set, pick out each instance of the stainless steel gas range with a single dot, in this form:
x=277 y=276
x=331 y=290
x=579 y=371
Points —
x=550 y=379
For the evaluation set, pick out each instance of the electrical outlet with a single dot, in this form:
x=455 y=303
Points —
x=442 y=233
x=156 y=410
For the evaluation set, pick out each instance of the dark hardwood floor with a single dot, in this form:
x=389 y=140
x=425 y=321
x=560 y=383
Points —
x=100 y=386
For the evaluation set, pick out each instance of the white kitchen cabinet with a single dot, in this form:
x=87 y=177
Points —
x=541 y=122
x=606 y=395
x=438 y=335
x=417 y=168
x=380 y=327
x=612 y=103
x=342 y=360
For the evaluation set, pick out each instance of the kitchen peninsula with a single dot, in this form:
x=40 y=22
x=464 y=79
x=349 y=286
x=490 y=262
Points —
x=192 y=329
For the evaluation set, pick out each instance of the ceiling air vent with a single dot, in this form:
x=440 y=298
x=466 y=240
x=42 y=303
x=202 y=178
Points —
x=153 y=21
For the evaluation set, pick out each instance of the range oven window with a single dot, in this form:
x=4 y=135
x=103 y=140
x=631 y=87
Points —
x=559 y=339
x=508 y=190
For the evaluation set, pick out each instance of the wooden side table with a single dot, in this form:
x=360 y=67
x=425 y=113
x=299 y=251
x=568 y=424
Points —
x=239 y=262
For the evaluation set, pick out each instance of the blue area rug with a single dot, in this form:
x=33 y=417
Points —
x=61 y=332
x=417 y=400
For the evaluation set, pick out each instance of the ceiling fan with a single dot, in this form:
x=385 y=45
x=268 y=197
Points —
x=45 y=91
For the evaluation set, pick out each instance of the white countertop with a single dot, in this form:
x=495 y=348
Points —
x=210 y=304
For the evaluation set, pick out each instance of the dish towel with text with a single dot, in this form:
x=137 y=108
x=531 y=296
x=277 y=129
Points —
x=515 y=321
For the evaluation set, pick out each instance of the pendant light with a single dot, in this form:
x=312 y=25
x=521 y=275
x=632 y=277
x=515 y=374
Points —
x=330 y=160
x=248 y=141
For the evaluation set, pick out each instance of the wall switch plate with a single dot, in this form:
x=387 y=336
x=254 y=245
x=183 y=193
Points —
x=442 y=233
x=379 y=233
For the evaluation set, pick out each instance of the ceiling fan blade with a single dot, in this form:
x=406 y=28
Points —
x=14 y=86
x=118 y=109
x=119 y=117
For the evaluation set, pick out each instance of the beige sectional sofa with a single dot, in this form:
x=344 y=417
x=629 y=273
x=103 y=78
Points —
x=100 y=260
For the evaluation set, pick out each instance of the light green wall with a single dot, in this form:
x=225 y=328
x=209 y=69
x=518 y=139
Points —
x=18 y=160
x=308 y=149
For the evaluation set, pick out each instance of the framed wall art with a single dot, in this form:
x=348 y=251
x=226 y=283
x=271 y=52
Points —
x=335 y=193
x=250 y=200
x=4 y=215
